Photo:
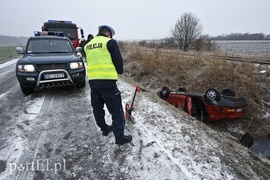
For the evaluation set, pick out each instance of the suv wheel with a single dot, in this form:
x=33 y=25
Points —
x=81 y=85
x=27 y=90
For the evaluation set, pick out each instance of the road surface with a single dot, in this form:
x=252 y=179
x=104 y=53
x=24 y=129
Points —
x=52 y=134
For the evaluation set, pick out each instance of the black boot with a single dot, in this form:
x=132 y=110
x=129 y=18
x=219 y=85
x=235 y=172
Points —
x=123 y=139
x=107 y=131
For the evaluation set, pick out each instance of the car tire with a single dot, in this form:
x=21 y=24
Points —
x=27 y=90
x=247 y=140
x=81 y=85
x=212 y=95
x=182 y=89
x=165 y=92
x=228 y=92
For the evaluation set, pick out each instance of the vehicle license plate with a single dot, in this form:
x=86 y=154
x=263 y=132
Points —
x=54 y=76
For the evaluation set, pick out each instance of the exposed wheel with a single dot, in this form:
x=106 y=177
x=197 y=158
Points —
x=27 y=90
x=212 y=95
x=165 y=92
x=182 y=89
x=228 y=92
x=247 y=140
x=81 y=85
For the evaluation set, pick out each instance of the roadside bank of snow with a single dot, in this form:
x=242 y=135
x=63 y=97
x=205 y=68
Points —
x=198 y=151
x=167 y=143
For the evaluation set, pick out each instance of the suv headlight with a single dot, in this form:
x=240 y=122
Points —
x=26 y=68
x=76 y=65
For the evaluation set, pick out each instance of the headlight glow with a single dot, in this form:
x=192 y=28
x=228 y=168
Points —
x=26 y=68
x=29 y=68
x=76 y=65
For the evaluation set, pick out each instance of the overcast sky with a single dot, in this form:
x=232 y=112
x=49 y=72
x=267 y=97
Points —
x=136 y=19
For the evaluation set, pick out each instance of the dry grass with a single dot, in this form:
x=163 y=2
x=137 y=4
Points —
x=155 y=68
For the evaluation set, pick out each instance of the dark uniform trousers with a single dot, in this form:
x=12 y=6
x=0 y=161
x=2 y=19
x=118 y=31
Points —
x=111 y=97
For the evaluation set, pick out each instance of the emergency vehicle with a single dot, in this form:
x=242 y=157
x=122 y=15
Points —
x=69 y=29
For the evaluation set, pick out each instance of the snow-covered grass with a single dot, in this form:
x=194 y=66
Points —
x=195 y=149
x=167 y=143
x=155 y=68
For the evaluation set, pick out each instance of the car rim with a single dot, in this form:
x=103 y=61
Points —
x=211 y=95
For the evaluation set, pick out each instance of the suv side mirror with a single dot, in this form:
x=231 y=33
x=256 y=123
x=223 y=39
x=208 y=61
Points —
x=19 y=50
x=78 y=49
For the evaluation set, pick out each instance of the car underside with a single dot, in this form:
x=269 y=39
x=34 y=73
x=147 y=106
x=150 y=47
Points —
x=207 y=107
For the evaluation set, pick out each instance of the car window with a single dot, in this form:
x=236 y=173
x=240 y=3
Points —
x=49 y=46
x=70 y=33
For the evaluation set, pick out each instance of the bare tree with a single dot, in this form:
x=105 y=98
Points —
x=186 y=30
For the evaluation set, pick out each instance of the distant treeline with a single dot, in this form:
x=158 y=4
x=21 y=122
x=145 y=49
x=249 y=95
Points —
x=243 y=36
x=12 y=40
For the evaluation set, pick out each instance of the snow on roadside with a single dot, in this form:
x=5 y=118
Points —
x=198 y=151
x=168 y=144
x=33 y=108
x=15 y=137
x=8 y=63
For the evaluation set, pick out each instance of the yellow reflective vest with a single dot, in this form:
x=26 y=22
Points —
x=99 y=61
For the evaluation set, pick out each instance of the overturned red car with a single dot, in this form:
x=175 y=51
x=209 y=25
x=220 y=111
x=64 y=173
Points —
x=207 y=107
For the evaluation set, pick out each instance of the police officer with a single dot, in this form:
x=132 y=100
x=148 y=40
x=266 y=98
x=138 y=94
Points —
x=104 y=63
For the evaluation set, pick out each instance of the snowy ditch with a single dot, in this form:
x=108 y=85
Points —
x=167 y=142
